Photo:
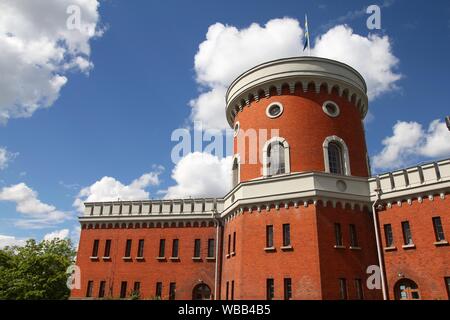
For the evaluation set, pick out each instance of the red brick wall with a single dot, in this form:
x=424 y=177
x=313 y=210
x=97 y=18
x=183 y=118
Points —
x=185 y=273
x=350 y=264
x=305 y=126
x=426 y=264
x=251 y=265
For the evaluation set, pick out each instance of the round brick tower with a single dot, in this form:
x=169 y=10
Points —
x=312 y=102
x=297 y=223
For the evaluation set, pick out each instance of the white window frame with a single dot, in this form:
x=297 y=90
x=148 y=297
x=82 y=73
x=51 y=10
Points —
x=272 y=104
x=332 y=115
x=287 y=164
x=345 y=154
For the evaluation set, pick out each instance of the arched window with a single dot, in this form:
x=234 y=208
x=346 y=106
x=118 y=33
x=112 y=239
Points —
x=276 y=157
x=406 y=289
x=235 y=170
x=336 y=156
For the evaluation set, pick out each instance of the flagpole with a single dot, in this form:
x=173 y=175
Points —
x=309 y=42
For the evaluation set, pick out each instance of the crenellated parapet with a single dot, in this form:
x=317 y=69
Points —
x=298 y=74
x=421 y=182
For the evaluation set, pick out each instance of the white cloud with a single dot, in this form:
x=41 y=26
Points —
x=371 y=56
x=201 y=175
x=36 y=50
x=58 y=234
x=9 y=241
x=110 y=189
x=37 y=213
x=6 y=157
x=228 y=51
x=410 y=141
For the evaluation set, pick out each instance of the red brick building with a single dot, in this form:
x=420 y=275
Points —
x=304 y=219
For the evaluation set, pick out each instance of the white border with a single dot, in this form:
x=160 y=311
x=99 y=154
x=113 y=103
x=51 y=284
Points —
x=333 y=115
x=272 y=104
x=287 y=163
x=345 y=155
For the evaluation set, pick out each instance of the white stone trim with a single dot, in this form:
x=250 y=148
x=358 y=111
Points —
x=338 y=110
x=287 y=164
x=273 y=104
x=345 y=155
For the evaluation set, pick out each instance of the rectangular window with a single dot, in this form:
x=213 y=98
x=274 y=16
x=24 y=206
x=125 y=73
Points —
x=162 y=247
x=232 y=290
x=90 y=287
x=229 y=244
x=197 y=248
x=234 y=242
x=438 y=230
x=227 y=290
x=407 y=236
x=388 y=236
x=359 y=289
x=269 y=236
x=107 y=252
x=447 y=284
x=128 y=248
x=141 y=248
x=95 y=248
x=287 y=289
x=269 y=289
x=175 y=248
x=338 y=234
x=211 y=248
x=137 y=288
x=123 y=289
x=353 y=236
x=172 y=290
x=158 y=292
x=343 y=288
x=101 y=289
x=286 y=235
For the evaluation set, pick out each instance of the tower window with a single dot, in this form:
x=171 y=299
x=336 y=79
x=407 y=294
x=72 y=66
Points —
x=353 y=236
x=162 y=247
x=107 y=252
x=95 y=249
x=123 y=289
x=236 y=128
x=269 y=236
x=338 y=234
x=140 y=252
x=235 y=171
x=335 y=158
x=438 y=230
x=175 y=243
x=287 y=289
x=270 y=289
x=158 y=292
x=211 y=248
x=276 y=163
x=172 y=290
x=89 y=289
x=274 y=110
x=286 y=235
x=389 y=237
x=197 y=248
x=407 y=236
x=331 y=109
x=128 y=249
x=343 y=288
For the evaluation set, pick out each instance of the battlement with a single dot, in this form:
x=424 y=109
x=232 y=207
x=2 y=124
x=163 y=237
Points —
x=427 y=179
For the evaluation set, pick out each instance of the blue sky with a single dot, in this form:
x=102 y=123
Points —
x=116 y=119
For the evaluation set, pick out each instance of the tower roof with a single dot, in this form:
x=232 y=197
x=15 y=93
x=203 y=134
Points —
x=296 y=71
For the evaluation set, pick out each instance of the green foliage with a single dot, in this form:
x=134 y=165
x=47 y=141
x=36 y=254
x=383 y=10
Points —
x=36 y=270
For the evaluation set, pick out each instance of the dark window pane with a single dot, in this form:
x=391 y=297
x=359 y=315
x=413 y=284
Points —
x=128 y=248
x=335 y=158
x=123 y=289
x=389 y=238
x=447 y=284
x=229 y=244
x=162 y=247
x=89 y=289
x=438 y=230
x=353 y=236
x=269 y=236
x=407 y=236
x=232 y=290
x=286 y=235
x=197 y=248
x=343 y=288
x=235 y=172
x=270 y=289
x=172 y=290
x=101 y=290
x=137 y=288
x=107 y=249
x=95 y=248
x=141 y=248
x=287 y=288
x=234 y=242
x=211 y=248
x=158 y=293
x=338 y=234
x=359 y=289
x=175 y=248
x=227 y=290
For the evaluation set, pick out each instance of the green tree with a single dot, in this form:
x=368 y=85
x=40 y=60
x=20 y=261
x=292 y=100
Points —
x=36 y=270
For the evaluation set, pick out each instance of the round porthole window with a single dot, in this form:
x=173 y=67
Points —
x=236 y=128
x=274 y=110
x=331 y=108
